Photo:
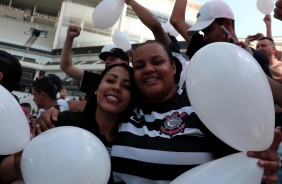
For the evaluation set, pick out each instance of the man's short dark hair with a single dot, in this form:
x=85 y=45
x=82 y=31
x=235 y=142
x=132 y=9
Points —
x=44 y=84
x=267 y=38
x=11 y=69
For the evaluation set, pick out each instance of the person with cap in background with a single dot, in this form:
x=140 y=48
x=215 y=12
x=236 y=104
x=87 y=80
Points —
x=216 y=20
x=114 y=56
x=87 y=79
x=210 y=18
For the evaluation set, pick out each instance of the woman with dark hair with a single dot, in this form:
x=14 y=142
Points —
x=106 y=106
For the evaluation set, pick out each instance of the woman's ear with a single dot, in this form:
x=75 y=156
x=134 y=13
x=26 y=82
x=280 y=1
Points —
x=173 y=64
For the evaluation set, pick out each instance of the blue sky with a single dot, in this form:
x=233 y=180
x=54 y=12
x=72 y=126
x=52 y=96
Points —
x=249 y=20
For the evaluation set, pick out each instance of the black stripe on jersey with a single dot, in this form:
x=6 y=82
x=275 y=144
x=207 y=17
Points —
x=153 y=171
x=177 y=143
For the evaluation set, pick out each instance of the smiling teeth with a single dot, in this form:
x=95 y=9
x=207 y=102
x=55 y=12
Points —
x=113 y=98
x=151 y=80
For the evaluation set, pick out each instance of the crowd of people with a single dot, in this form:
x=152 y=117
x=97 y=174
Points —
x=142 y=113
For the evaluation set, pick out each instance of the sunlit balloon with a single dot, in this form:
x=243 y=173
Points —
x=236 y=168
x=107 y=48
x=121 y=40
x=14 y=127
x=65 y=155
x=231 y=95
x=168 y=28
x=265 y=6
x=107 y=13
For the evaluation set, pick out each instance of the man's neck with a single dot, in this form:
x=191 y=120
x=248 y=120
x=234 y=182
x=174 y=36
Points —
x=49 y=103
x=273 y=61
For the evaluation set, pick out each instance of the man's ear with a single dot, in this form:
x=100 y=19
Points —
x=42 y=94
x=274 y=49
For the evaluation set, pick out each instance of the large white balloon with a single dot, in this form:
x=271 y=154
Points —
x=65 y=155
x=107 y=48
x=107 y=13
x=168 y=28
x=14 y=128
x=121 y=40
x=265 y=6
x=231 y=95
x=236 y=168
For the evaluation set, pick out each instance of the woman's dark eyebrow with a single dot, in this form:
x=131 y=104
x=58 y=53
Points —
x=154 y=57
x=116 y=76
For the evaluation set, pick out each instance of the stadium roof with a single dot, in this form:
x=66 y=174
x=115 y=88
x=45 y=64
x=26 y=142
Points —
x=50 y=7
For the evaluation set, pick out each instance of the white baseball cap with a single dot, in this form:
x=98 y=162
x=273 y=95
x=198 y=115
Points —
x=208 y=13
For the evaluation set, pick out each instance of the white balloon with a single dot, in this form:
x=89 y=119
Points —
x=107 y=48
x=265 y=6
x=121 y=40
x=231 y=95
x=236 y=168
x=107 y=13
x=14 y=127
x=168 y=28
x=65 y=155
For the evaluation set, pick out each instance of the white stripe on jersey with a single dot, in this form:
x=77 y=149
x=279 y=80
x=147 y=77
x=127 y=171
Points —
x=130 y=179
x=156 y=156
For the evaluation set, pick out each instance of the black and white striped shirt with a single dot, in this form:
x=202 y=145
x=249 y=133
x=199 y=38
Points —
x=159 y=142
